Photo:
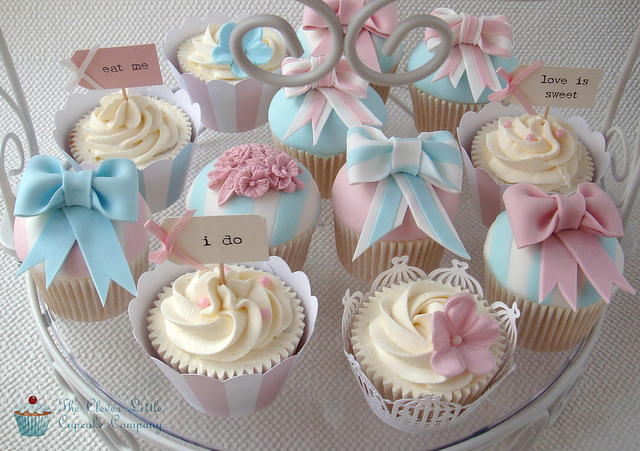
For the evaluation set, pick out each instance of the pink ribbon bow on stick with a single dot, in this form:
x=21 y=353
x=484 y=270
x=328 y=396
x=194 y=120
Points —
x=566 y=228
x=340 y=91
x=382 y=23
x=512 y=86
x=168 y=240
x=475 y=39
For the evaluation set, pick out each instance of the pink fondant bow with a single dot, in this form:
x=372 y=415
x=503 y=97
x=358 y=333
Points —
x=566 y=228
x=474 y=40
x=382 y=23
x=340 y=91
x=168 y=240
x=512 y=86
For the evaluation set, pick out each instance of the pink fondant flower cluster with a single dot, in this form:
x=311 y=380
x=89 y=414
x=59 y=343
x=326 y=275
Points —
x=461 y=338
x=251 y=169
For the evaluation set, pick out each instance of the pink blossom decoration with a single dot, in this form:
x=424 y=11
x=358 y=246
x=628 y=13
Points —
x=461 y=338
x=243 y=170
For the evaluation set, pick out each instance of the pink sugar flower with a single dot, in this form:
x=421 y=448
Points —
x=283 y=166
x=462 y=338
x=252 y=181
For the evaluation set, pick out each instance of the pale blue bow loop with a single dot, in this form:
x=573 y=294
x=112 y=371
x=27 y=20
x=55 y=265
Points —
x=406 y=170
x=81 y=206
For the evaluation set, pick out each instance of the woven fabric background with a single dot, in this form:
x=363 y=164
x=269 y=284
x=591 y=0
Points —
x=603 y=410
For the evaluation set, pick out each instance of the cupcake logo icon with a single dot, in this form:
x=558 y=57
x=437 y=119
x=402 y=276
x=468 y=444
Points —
x=32 y=418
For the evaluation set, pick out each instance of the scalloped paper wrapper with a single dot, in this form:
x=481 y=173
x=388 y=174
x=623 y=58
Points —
x=425 y=413
x=78 y=300
x=294 y=251
x=161 y=183
x=32 y=425
x=383 y=91
x=323 y=170
x=240 y=395
x=545 y=328
x=433 y=114
x=485 y=192
x=226 y=107
x=425 y=254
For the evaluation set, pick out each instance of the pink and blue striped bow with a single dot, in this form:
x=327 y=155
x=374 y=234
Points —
x=81 y=206
x=407 y=171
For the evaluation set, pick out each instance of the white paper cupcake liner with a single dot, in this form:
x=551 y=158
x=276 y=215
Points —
x=226 y=107
x=432 y=114
x=161 y=183
x=546 y=328
x=78 y=300
x=237 y=396
x=426 y=413
x=485 y=192
x=323 y=170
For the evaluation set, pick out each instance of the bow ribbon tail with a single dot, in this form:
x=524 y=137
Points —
x=379 y=222
x=53 y=245
x=581 y=249
x=101 y=250
x=480 y=70
x=452 y=67
x=429 y=213
x=314 y=109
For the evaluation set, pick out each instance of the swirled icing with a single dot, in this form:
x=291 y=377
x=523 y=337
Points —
x=225 y=322
x=392 y=339
x=533 y=150
x=194 y=55
x=138 y=128
x=33 y=409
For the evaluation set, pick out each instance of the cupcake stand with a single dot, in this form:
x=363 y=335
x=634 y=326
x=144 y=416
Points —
x=111 y=387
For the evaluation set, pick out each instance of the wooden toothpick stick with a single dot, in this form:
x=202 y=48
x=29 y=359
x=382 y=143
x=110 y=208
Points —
x=223 y=280
x=124 y=93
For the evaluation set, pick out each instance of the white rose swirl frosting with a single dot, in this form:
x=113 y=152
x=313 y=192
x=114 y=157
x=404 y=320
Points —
x=223 y=323
x=533 y=150
x=135 y=128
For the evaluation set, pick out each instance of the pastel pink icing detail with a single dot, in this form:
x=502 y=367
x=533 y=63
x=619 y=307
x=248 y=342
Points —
x=559 y=133
x=351 y=203
x=265 y=313
x=132 y=235
x=250 y=170
x=507 y=124
x=531 y=137
x=265 y=281
x=204 y=302
x=462 y=338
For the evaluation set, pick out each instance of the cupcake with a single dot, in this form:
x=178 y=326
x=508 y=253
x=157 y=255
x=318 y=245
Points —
x=315 y=37
x=558 y=258
x=310 y=123
x=255 y=178
x=505 y=145
x=246 y=325
x=153 y=127
x=428 y=338
x=531 y=149
x=99 y=210
x=463 y=83
x=199 y=57
x=180 y=319
x=396 y=197
x=32 y=418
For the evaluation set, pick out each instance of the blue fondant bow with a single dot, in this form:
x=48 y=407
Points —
x=81 y=206
x=407 y=170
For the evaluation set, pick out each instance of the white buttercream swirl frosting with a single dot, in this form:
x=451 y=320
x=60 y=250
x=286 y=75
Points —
x=225 y=322
x=138 y=128
x=194 y=55
x=392 y=340
x=530 y=149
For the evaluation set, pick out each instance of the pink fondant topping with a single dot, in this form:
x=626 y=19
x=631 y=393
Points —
x=531 y=137
x=507 y=124
x=265 y=281
x=462 y=338
x=566 y=228
x=250 y=170
x=265 y=313
x=559 y=133
x=204 y=302
x=227 y=269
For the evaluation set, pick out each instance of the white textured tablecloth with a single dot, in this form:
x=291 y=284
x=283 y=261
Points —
x=604 y=408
